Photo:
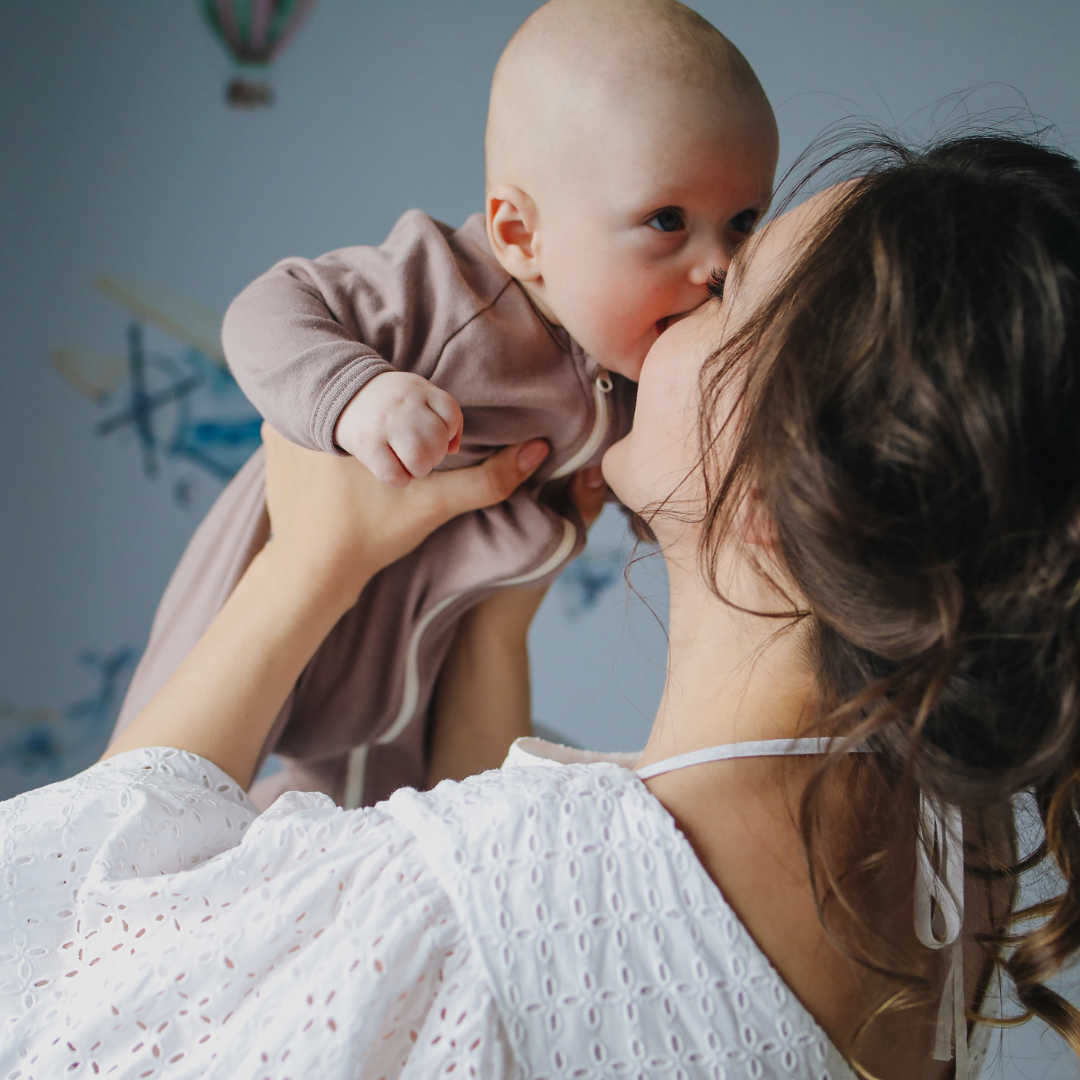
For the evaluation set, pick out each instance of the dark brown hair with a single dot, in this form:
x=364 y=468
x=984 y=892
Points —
x=910 y=417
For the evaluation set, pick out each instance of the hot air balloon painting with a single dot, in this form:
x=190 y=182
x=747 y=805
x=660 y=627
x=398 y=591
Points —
x=253 y=32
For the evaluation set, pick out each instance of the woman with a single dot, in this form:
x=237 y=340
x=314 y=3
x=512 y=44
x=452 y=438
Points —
x=871 y=535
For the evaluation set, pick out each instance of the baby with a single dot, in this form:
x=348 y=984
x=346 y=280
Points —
x=630 y=149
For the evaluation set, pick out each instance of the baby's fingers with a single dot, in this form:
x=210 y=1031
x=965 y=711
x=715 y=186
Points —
x=422 y=443
x=449 y=412
x=381 y=461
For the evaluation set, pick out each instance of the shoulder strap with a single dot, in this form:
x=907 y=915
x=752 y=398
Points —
x=729 y=751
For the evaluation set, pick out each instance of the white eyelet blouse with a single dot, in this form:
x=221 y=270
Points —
x=529 y=922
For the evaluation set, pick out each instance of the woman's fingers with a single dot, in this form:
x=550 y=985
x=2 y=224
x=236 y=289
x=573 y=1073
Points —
x=588 y=489
x=461 y=490
x=331 y=512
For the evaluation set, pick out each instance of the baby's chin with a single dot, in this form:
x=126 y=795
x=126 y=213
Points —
x=621 y=475
x=628 y=363
x=609 y=466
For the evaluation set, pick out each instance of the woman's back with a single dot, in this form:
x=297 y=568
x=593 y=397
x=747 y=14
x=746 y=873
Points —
x=741 y=818
x=608 y=945
x=539 y=920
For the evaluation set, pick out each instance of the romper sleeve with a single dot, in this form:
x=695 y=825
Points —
x=305 y=941
x=309 y=334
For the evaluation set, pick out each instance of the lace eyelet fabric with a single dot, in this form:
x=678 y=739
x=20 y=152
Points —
x=527 y=923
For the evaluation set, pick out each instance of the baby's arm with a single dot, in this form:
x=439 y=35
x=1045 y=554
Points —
x=352 y=332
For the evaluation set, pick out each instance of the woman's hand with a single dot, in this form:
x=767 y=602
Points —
x=331 y=517
x=588 y=490
x=335 y=527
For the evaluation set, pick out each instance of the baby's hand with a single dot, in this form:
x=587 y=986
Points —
x=400 y=427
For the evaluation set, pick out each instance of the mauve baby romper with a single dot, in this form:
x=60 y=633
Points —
x=301 y=341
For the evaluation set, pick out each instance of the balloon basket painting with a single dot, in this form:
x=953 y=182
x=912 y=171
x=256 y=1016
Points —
x=181 y=410
x=253 y=33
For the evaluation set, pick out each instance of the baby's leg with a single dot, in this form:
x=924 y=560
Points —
x=482 y=700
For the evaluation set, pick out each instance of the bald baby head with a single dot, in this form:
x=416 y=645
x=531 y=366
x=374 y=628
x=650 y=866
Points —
x=630 y=150
x=578 y=66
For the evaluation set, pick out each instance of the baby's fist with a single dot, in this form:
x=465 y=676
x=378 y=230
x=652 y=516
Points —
x=400 y=427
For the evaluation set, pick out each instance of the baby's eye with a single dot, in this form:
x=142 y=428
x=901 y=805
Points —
x=743 y=222
x=669 y=219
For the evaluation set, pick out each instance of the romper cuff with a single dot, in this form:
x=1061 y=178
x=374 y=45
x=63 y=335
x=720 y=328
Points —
x=345 y=385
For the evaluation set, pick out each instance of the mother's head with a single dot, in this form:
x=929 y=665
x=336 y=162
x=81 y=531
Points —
x=890 y=413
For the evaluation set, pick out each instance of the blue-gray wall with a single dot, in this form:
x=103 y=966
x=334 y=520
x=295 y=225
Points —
x=117 y=155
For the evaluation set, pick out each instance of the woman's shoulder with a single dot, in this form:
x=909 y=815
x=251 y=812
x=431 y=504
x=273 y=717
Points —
x=573 y=813
x=315 y=931
x=533 y=799
x=156 y=809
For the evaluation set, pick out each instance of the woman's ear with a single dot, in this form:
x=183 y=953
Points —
x=511 y=228
x=757 y=525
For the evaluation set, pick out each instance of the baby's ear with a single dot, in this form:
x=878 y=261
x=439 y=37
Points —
x=511 y=228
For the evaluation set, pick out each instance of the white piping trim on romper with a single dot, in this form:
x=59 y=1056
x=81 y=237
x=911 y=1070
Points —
x=602 y=386
x=354 y=777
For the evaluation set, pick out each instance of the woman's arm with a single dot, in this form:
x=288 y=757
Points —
x=483 y=700
x=335 y=526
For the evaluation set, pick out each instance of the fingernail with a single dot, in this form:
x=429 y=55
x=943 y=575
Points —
x=594 y=477
x=531 y=454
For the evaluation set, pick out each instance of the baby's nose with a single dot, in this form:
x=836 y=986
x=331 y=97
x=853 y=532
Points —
x=711 y=257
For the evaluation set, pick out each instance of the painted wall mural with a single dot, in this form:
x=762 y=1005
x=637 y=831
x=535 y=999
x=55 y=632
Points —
x=43 y=744
x=186 y=418
x=182 y=410
x=590 y=576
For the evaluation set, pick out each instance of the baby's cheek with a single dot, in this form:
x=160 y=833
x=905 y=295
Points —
x=625 y=322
